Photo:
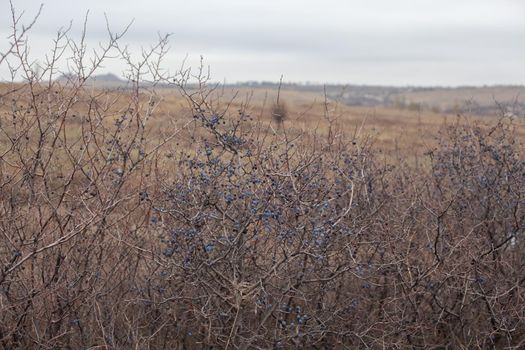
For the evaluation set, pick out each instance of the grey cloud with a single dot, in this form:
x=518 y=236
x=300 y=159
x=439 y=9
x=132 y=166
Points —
x=472 y=38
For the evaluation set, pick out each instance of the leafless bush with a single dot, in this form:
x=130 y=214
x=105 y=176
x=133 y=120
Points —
x=246 y=239
x=279 y=112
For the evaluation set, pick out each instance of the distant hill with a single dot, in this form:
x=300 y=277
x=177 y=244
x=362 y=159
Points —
x=108 y=80
x=485 y=100
x=473 y=100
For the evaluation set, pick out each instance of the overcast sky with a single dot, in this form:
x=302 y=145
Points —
x=389 y=42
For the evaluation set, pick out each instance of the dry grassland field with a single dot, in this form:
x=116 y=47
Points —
x=163 y=211
x=191 y=218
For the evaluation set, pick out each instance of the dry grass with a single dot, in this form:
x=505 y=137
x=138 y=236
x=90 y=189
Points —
x=462 y=97
x=161 y=218
x=187 y=218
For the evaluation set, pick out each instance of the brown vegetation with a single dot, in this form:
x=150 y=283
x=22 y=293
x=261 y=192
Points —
x=149 y=218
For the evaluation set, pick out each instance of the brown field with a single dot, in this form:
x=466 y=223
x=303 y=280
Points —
x=192 y=219
x=447 y=98
x=164 y=212
x=394 y=131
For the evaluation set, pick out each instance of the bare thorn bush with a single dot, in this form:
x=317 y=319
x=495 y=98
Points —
x=214 y=233
x=279 y=113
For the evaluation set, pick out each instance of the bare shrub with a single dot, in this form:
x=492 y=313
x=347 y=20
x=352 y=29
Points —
x=279 y=112
x=246 y=238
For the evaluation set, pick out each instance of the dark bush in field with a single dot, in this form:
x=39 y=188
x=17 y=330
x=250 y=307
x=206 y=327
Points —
x=244 y=238
x=279 y=112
